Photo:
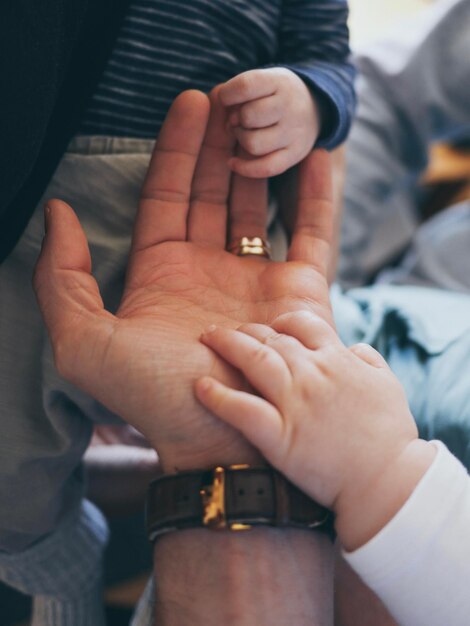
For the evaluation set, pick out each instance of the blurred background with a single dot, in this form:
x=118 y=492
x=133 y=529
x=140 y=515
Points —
x=370 y=20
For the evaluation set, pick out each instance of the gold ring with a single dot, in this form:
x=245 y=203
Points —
x=251 y=246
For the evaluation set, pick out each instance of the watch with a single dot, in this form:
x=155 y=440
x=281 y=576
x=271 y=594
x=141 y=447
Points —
x=235 y=498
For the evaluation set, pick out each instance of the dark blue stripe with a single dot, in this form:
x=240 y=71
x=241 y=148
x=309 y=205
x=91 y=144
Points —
x=166 y=46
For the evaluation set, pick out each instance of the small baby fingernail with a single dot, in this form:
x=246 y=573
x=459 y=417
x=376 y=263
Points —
x=204 y=384
x=210 y=329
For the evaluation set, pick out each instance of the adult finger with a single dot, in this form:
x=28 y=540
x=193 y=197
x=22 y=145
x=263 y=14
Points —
x=166 y=192
x=264 y=368
x=260 y=422
x=247 y=86
x=248 y=216
x=69 y=297
x=207 y=223
x=310 y=329
x=313 y=231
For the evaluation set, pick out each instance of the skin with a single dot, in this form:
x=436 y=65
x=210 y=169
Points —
x=142 y=362
x=285 y=188
x=334 y=420
x=274 y=117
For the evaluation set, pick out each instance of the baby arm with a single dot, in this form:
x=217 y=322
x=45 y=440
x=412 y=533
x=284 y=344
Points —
x=275 y=118
x=314 y=72
x=334 y=420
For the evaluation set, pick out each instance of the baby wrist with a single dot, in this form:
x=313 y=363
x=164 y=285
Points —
x=362 y=514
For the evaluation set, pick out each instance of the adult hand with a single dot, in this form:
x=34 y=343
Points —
x=142 y=362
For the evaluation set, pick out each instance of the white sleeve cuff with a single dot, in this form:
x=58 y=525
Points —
x=419 y=563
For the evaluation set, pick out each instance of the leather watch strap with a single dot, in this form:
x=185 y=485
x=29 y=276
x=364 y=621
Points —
x=236 y=498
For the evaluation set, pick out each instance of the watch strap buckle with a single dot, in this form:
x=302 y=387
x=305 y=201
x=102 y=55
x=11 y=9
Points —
x=214 y=503
x=235 y=498
x=213 y=500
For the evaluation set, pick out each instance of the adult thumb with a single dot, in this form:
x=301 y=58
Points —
x=67 y=294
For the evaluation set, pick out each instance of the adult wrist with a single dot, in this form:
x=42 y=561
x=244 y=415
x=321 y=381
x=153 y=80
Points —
x=362 y=514
x=187 y=458
x=206 y=578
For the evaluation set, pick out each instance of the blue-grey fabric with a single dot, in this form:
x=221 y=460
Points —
x=63 y=571
x=424 y=334
x=413 y=88
x=438 y=253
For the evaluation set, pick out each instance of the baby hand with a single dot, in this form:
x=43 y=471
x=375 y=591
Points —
x=334 y=420
x=274 y=117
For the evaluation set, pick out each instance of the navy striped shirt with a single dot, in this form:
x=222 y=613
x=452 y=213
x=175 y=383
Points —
x=167 y=46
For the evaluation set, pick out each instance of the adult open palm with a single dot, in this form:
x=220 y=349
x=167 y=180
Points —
x=142 y=362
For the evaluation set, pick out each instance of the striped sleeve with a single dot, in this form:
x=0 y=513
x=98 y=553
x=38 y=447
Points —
x=314 y=43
